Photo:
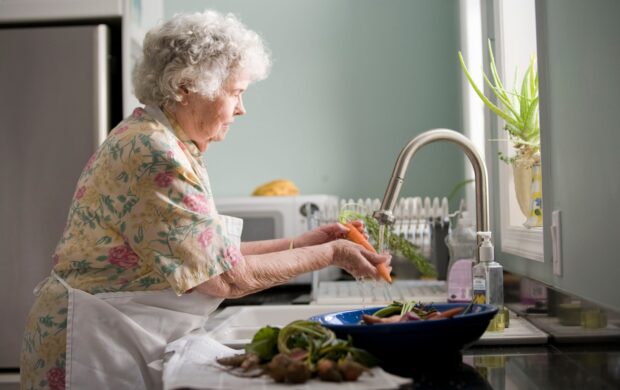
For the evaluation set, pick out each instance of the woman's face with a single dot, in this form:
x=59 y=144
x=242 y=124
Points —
x=205 y=120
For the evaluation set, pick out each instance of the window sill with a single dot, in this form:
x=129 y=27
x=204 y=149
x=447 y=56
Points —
x=523 y=242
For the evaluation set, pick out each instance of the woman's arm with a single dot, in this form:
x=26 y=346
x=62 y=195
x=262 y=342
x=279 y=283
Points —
x=319 y=235
x=265 y=246
x=258 y=272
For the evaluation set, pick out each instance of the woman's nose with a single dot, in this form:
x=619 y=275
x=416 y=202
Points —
x=240 y=109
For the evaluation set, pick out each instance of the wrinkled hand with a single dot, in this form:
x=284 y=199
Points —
x=358 y=261
x=325 y=233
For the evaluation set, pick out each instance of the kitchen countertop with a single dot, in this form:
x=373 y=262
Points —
x=553 y=365
x=516 y=367
x=522 y=367
x=549 y=366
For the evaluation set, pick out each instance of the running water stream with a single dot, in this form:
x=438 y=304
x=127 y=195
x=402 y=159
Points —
x=382 y=248
x=373 y=292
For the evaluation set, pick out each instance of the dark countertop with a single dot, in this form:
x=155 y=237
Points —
x=541 y=367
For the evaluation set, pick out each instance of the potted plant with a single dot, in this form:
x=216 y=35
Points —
x=519 y=110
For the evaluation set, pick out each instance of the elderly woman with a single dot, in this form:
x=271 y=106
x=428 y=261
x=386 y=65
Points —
x=145 y=256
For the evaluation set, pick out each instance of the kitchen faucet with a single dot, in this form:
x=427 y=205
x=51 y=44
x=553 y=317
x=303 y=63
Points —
x=385 y=216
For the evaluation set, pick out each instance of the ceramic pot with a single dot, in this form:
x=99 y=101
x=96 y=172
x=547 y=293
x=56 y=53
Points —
x=528 y=181
x=522 y=174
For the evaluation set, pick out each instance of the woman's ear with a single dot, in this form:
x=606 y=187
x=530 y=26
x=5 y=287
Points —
x=184 y=94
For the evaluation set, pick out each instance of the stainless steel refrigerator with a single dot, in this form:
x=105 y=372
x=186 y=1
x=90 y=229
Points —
x=59 y=86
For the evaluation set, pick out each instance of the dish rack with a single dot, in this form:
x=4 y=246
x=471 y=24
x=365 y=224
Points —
x=415 y=217
x=423 y=221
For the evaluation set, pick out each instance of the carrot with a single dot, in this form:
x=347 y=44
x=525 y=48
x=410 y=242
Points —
x=431 y=315
x=447 y=314
x=357 y=237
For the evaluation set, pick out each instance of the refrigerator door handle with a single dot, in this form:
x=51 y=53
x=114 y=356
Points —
x=101 y=89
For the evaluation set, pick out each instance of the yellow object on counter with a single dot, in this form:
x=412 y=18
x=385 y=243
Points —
x=498 y=323
x=280 y=187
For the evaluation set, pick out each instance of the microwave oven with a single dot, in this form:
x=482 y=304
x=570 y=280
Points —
x=269 y=217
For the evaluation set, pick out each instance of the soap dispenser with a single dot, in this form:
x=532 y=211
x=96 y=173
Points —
x=461 y=243
x=488 y=281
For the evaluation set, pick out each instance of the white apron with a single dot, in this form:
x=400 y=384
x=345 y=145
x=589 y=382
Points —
x=112 y=337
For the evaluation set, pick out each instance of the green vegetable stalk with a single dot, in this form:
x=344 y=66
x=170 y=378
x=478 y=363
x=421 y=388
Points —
x=395 y=243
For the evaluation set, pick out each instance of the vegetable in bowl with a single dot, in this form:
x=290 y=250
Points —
x=430 y=338
x=410 y=311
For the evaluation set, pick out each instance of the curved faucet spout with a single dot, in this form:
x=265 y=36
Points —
x=385 y=216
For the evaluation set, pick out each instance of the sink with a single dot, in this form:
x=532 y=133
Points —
x=235 y=326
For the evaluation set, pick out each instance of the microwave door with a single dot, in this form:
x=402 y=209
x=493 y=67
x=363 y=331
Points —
x=259 y=225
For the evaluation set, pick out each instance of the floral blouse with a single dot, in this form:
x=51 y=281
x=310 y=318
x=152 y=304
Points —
x=142 y=218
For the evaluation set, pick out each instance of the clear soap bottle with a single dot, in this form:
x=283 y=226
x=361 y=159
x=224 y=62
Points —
x=462 y=245
x=488 y=281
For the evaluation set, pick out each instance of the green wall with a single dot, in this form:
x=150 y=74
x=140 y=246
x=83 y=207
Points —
x=352 y=82
x=579 y=70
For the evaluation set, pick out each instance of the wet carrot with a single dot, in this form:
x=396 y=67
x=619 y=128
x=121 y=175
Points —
x=357 y=237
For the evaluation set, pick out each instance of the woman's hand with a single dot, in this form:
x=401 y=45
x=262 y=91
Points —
x=325 y=233
x=356 y=260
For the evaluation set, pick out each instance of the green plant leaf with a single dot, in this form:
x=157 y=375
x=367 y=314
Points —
x=498 y=80
x=518 y=107
x=264 y=343
x=394 y=242
x=533 y=77
x=486 y=101
x=505 y=100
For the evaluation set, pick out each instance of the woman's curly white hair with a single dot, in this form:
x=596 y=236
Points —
x=199 y=52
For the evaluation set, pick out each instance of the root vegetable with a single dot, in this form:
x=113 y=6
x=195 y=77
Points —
x=409 y=316
x=357 y=237
x=350 y=369
x=370 y=319
x=232 y=361
x=276 y=368
x=297 y=372
x=327 y=370
x=251 y=361
x=450 y=313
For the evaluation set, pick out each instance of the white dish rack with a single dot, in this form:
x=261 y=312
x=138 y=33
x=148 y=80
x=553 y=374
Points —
x=414 y=216
x=380 y=293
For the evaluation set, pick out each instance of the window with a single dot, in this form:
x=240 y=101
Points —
x=515 y=42
x=511 y=26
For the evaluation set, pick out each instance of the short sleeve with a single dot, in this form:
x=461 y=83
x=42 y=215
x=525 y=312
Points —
x=173 y=223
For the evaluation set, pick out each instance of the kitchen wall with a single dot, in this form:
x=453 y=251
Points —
x=579 y=65
x=352 y=82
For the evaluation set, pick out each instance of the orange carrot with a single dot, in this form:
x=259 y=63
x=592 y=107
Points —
x=445 y=314
x=451 y=312
x=357 y=237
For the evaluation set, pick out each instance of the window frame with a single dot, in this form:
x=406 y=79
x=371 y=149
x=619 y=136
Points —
x=515 y=239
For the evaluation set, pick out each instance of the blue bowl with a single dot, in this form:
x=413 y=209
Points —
x=424 y=339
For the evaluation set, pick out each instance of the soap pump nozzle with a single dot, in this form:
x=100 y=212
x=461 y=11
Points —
x=485 y=248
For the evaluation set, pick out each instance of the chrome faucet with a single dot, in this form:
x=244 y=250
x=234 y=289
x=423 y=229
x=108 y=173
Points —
x=385 y=216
